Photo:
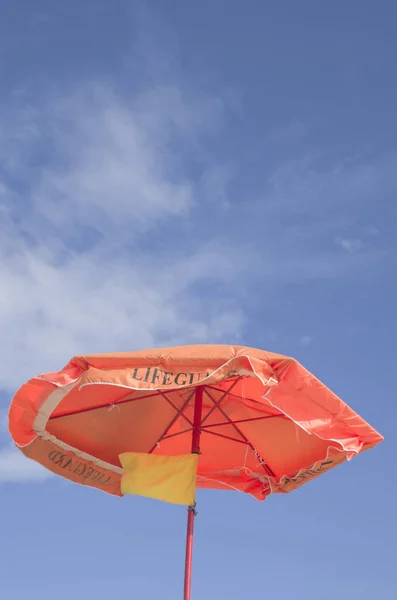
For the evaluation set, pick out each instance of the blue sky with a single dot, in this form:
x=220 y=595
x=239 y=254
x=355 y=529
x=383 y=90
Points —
x=214 y=171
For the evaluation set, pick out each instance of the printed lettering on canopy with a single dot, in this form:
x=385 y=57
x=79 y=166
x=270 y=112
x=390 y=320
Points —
x=156 y=376
x=78 y=468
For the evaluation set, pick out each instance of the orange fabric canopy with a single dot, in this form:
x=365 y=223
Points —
x=267 y=424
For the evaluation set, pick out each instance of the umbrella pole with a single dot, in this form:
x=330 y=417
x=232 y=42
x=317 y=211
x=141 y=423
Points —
x=198 y=407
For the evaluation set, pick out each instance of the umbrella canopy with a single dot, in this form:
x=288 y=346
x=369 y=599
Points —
x=267 y=424
x=260 y=422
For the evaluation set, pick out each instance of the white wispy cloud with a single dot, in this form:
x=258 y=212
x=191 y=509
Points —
x=317 y=215
x=289 y=133
x=306 y=340
x=94 y=187
x=317 y=186
x=15 y=467
x=74 y=276
x=350 y=245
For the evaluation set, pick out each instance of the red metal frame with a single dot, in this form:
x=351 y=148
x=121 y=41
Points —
x=121 y=400
x=225 y=437
x=197 y=426
x=175 y=407
x=217 y=402
x=265 y=466
x=129 y=397
x=171 y=435
x=230 y=422
x=179 y=413
x=198 y=408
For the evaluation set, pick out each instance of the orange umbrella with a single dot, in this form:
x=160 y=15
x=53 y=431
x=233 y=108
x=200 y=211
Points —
x=162 y=422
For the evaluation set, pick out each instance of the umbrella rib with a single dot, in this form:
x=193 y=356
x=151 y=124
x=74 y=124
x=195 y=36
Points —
x=171 y=435
x=175 y=407
x=173 y=420
x=266 y=467
x=226 y=437
x=246 y=420
x=217 y=402
x=220 y=391
x=122 y=400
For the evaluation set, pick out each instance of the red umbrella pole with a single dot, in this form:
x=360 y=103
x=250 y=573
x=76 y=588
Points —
x=198 y=406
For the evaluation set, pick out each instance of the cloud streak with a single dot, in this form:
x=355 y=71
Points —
x=94 y=190
x=76 y=275
x=16 y=468
x=99 y=197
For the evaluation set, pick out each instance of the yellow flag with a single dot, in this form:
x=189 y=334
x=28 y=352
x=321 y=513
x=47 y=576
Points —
x=168 y=478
